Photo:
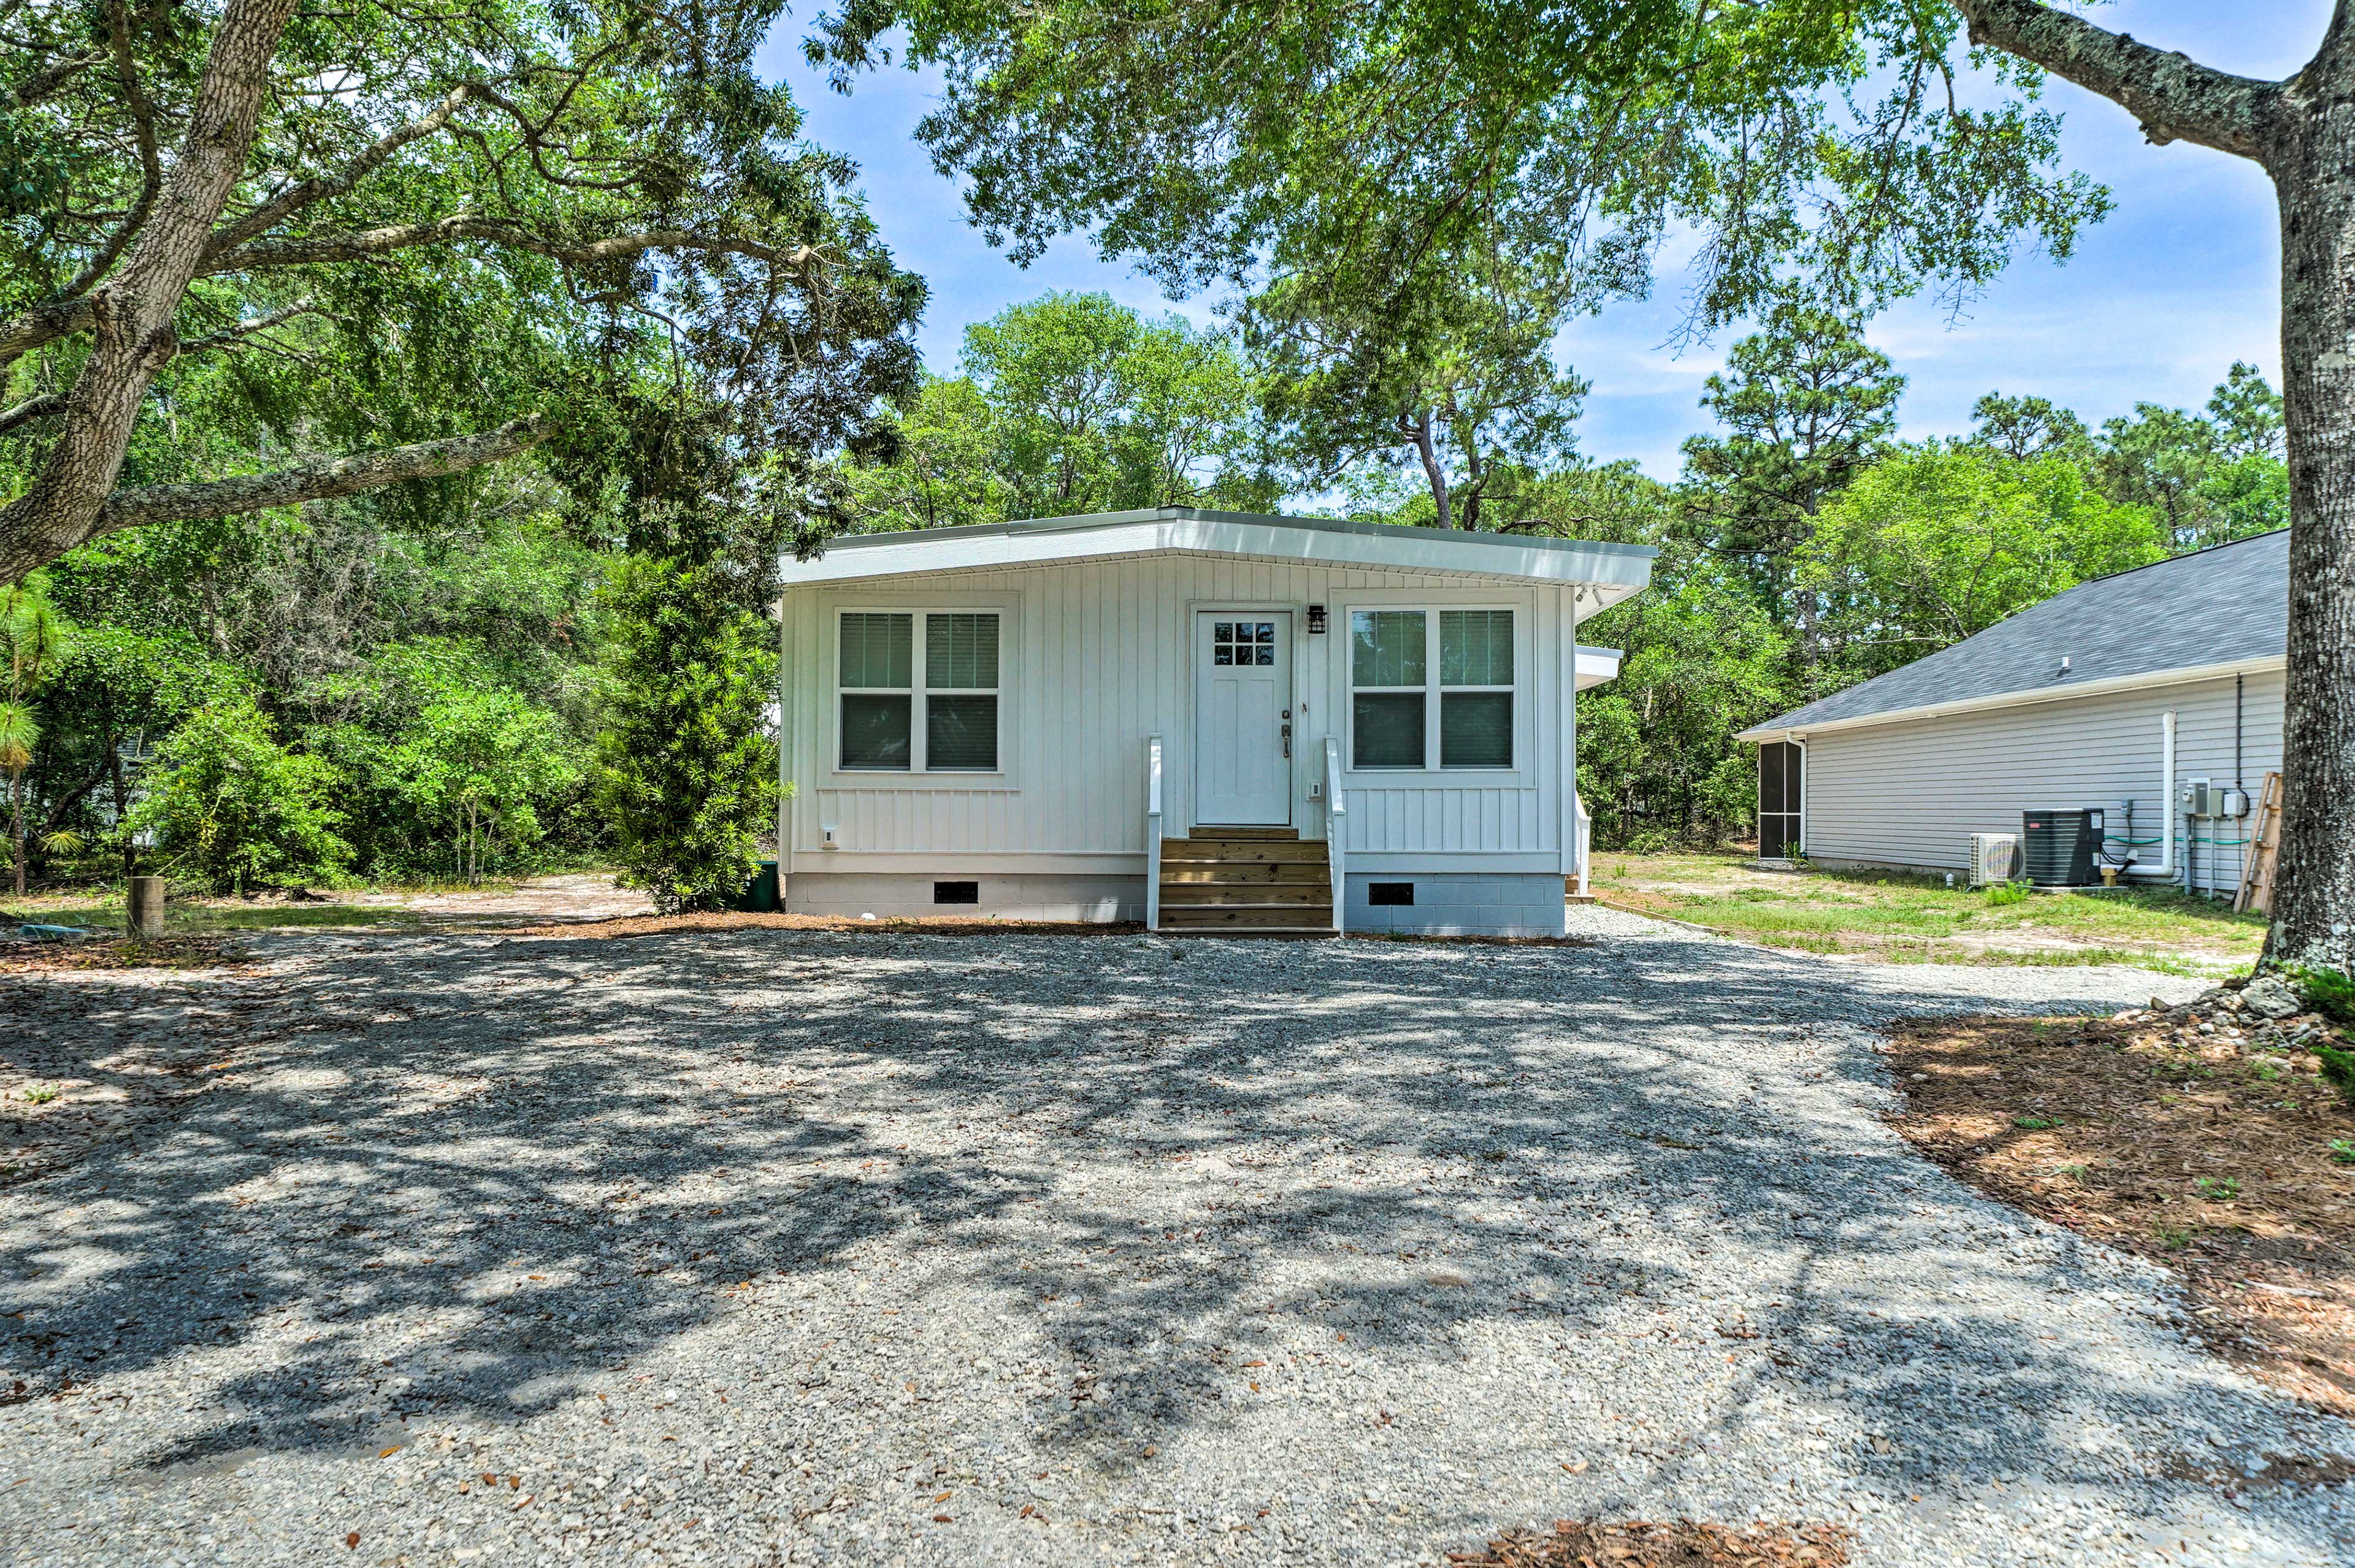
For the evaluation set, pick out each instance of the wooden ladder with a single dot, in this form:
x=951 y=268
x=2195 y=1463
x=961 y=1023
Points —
x=2263 y=851
x=1258 y=880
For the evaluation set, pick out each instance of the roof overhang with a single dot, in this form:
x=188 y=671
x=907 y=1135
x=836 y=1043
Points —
x=2183 y=675
x=1596 y=666
x=1607 y=572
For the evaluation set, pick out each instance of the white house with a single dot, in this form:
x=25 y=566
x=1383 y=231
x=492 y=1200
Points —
x=2154 y=696
x=1193 y=718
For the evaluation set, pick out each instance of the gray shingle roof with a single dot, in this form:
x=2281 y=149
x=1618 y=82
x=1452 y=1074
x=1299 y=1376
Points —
x=2220 y=606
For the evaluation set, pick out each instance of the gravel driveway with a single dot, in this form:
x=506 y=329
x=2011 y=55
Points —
x=798 y=1246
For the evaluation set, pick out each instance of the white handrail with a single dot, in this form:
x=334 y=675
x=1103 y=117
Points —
x=1336 y=808
x=1153 y=833
x=1585 y=838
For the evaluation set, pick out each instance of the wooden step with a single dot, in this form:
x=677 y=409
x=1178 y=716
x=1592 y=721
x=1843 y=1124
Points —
x=1246 y=917
x=1213 y=830
x=1245 y=873
x=1239 y=894
x=1216 y=851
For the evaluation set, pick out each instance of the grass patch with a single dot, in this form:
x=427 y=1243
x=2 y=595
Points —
x=1899 y=917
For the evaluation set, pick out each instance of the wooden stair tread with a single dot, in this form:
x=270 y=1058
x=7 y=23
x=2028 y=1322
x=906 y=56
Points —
x=1197 y=893
x=1197 y=851
x=1216 y=917
x=1246 y=881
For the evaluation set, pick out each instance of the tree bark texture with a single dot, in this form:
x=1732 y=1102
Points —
x=2313 y=167
x=130 y=314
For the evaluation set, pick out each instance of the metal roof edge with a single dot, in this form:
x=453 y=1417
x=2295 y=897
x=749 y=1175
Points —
x=1086 y=522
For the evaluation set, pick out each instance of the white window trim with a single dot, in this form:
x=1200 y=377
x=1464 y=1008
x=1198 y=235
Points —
x=1432 y=689
x=917 y=692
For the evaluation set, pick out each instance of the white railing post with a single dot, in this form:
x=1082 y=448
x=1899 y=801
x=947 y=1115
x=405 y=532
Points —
x=1153 y=833
x=1586 y=838
x=1336 y=808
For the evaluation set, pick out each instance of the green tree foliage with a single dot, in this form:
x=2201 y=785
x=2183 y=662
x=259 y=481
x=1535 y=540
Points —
x=683 y=774
x=2207 y=478
x=420 y=234
x=481 y=763
x=32 y=638
x=1071 y=403
x=2028 y=427
x=1937 y=543
x=347 y=625
x=236 y=811
x=1658 y=763
x=2210 y=478
x=1453 y=379
x=1246 y=140
x=944 y=471
x=1808 y=405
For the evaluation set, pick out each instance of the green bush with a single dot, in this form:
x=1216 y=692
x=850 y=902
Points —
x=684 y=773
x=2327 y=992
x=237 y=812
x=2338 y=1067
x=2004 y=893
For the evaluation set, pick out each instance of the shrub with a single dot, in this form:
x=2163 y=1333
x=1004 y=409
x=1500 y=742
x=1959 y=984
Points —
x=2004 y=893
x=2327 y=992
x=683 y=772
x=2338 y=1067
x=237 y=811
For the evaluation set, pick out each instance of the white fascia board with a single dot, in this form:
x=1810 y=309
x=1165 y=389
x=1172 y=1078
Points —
x=1596 y=666
x=2188 y=675
x=1610 y=573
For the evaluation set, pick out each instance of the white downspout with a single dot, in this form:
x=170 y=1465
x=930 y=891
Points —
x=1804 y=774
x=2166 y=866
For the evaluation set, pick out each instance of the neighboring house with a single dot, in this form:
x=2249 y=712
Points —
x=2122 y=692
x=1207 y=719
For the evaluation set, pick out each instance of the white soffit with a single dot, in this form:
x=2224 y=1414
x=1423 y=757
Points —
x=1610 y=573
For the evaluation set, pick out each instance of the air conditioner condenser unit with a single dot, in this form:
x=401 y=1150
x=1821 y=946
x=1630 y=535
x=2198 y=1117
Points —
x=1994 y=858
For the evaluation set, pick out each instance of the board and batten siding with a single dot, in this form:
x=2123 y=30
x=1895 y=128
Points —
x=1910 y=794
x=1096 y=656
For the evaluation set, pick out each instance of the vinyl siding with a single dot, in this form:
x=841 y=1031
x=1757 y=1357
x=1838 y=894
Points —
x=1911 y=793
x=1097 y=656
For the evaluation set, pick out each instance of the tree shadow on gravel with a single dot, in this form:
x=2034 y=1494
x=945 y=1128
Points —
x=473 y=1179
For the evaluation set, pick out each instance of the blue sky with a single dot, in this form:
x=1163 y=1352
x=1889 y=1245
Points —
x=2180 y=280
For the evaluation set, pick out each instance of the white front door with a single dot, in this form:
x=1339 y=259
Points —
x=1242 y=717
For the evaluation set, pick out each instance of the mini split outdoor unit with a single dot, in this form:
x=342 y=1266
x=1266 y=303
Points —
x=1994 y=858
x=2058 y=847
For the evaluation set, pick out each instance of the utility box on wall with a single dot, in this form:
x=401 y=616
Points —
x=2057 y=848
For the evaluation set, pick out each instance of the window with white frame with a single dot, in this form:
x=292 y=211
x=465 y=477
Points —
x=1475 y=689
x=888 y=663
x=1431 y=689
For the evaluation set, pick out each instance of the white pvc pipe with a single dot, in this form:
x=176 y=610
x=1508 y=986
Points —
x=2166 y=866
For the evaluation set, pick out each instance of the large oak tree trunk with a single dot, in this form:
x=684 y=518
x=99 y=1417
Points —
x=2314 y=174
x=130 y=329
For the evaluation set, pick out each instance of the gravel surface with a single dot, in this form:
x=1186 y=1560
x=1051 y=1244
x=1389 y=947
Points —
x=786 y=1246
